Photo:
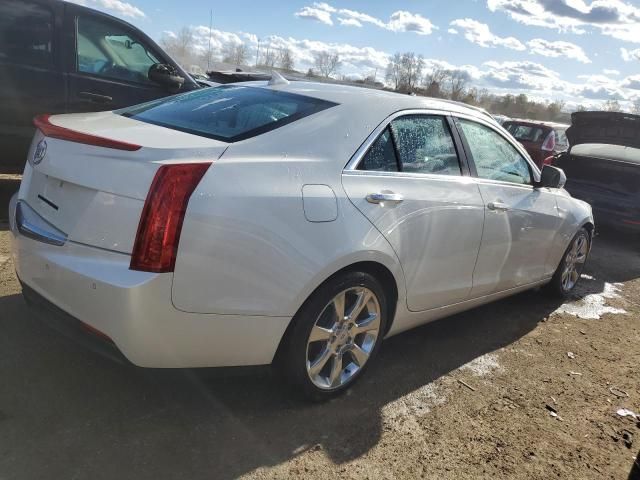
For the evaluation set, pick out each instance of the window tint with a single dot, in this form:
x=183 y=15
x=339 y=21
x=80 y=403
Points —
x=562 y=143
x=381 y=156
x=108 y=50
x=495 y=158
x=526 y=133
x=227 y=113
x=26 y=33
x=425 y=145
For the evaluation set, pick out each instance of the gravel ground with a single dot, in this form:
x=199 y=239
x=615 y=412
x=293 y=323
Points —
x=523 y=388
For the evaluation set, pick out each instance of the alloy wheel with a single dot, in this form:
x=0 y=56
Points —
x=574 y=261
x=343 y=338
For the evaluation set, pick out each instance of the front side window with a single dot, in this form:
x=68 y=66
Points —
x=494 y=157
x=525 y=133
x=108 y=50
x=228 y=113
x=425 y=145
x=26 y=33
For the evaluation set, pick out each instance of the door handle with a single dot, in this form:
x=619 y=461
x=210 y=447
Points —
x=498 y=206
x=384 y=197
x=95 y=97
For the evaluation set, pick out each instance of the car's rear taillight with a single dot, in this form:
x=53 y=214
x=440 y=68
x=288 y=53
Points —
x=48 y=129
x=549 y=143
x=158 y=234
x=549 y=160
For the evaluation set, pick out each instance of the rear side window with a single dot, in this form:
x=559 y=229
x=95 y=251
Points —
x=425 y=145
x=228 y=113
x=26 y=33
x=526 y=133
x=381 y=157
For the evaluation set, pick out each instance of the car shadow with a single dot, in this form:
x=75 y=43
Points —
x=219 y=423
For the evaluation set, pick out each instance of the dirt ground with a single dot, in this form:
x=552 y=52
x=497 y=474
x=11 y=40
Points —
x=526 y=388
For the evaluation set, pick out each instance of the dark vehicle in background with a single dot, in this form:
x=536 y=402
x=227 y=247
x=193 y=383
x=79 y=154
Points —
x=603 y=165
x=540 y=139
x=58 y=57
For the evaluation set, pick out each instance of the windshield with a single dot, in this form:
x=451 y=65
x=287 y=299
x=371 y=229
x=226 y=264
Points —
x=229 y=113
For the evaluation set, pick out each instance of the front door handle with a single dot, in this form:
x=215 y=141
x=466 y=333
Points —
x=385 y=197
x=498 y=206
x=95 y=97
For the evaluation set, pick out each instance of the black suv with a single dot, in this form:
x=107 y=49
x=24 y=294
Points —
x=58 y=57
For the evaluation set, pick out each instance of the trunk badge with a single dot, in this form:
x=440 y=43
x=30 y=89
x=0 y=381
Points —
x=39 y=154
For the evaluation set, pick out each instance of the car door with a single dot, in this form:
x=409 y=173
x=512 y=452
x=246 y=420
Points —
x=409 y=180
x=108 y=63
x=521 y=220
x=31 y=80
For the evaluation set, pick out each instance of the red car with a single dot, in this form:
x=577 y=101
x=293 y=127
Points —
x=540 y=139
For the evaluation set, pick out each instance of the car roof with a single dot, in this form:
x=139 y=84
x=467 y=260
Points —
x=350 y=95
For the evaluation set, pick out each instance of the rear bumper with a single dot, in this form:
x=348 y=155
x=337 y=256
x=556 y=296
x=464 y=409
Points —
x=134 y=308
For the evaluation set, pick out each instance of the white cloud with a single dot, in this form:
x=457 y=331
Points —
x=547 y=48
x=607 y=71
x=616 y=18
x=480 y=34
x=115 y=6
x=630 y=55
x=452 y=31
x=317 y=12
x=349 y=22
x=400 y=21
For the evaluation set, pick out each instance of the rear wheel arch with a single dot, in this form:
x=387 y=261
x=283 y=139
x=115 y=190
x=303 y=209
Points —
x=377 y=270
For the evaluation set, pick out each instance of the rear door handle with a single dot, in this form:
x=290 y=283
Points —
x=95 y=97
x=384 y=197
x=498 y=206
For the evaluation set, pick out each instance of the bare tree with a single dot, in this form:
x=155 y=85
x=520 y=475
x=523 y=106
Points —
x=180 y=46
x=285 y=59
x=635 y=106
x=393 y=70
x=236 y=53
x=411 y=66
x=434 y=81
x=269 y=57
x=327 y=63
x=457 y=83
x=611 y=106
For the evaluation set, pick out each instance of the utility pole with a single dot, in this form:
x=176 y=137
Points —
x=209 y=49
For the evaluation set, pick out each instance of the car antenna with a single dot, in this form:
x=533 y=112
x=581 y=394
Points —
x=277 y=79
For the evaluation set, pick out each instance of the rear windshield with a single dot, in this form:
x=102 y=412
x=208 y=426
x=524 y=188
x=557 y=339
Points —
x=228 y=113
x=527 y=133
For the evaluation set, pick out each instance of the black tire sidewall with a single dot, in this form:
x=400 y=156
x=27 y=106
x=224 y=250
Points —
x=294 y=356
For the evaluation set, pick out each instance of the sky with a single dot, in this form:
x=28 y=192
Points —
x=578 y=51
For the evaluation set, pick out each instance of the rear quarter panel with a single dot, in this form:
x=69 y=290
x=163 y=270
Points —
x=246 y=246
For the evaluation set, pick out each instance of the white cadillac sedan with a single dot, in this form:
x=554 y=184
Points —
x=294 y=223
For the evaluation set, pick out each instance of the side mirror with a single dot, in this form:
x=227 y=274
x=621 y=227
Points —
x=552 y=177
x=166 y=75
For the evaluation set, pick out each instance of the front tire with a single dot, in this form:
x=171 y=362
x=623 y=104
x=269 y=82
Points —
x=570 y=269
x=335 y=335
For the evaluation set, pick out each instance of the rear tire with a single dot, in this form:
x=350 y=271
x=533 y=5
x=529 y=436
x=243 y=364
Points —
x=334 y=336
x=568 y=273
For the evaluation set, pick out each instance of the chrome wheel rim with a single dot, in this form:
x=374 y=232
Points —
x=574 y=262
x=343 y=338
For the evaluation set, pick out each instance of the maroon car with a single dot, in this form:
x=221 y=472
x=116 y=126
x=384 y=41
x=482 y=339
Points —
x=540 y=139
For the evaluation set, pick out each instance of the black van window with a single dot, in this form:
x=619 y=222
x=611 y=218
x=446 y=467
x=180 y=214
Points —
x=227 y=113
x=26 y=33
x=106 y=49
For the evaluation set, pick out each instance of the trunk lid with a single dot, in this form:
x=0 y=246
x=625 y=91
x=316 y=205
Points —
x=95 y=194
x=613 y=128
